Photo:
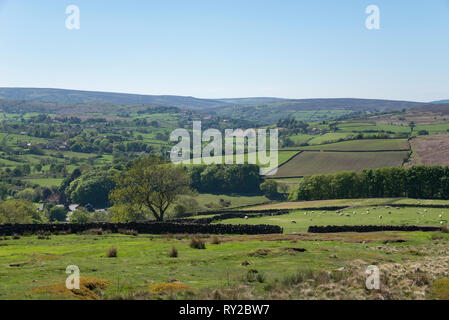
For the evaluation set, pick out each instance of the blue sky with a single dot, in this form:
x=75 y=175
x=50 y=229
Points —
x=227 y=48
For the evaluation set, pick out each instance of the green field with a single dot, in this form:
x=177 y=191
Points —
x=433 y=128
x=43 y=182
x=33 y=268
x=372 y=127
x=329 y=137
x=306 y=218
x=363 y=145
x=310 y=163
x=236 y=201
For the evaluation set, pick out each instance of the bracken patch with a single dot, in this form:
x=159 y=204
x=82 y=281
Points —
x=87 y=291
x=440 y=289
x=168 y=288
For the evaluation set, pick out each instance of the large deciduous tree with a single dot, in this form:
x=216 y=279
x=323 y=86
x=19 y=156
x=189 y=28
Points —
x=150 y=184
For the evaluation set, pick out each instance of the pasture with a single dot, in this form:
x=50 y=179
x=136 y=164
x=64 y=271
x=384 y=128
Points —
x=305 y=266
x=352 y=216
x=364 y=145
x=311 y=163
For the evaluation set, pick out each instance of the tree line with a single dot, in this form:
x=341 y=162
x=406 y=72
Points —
x=419 y=182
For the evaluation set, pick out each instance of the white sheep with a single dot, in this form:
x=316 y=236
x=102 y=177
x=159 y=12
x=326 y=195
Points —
x=293 y=221
x=246 y=217
x=380 y=217
x=441 y=216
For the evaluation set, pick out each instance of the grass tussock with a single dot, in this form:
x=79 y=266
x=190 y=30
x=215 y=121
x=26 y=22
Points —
x=255 y=276
x=173 y=253
x=112 y=252
x=216 y=240
x=419 y=278
x=44 y=236
x=260 y=253
x=90 y=289
x=197 y=243
x=128 y=232
x=168 y=288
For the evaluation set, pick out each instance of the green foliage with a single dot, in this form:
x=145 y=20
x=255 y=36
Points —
x=186 y=207
x=149 y=185
x=270 y=189
x=16 y=211
x=80 y=216
x=225 y=178
x=421 y=182
x=93 y=187
x=57 y=214
x=3 y=191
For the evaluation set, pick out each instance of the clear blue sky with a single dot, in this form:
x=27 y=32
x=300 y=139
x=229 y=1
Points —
x=227 y=48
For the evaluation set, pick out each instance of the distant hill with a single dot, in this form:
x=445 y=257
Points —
x=246 y=101
x=440 y=102
x=265 y=110
x=434 y=108
x=271 y=112
x=94 y=97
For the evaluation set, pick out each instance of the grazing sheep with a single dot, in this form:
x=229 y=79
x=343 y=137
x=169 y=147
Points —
x=441 y=222
x=380 y=217
x=246 y=217
x=293 y=221
x=389 y=212
x=441 y=216
x=425 y=210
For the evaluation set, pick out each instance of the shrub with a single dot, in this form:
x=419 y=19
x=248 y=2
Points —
x=224 y=203
x=57 y=214
x=197 y=243
x=112 y=252
x=79 y=216
x=445 y=229
x=15 y=237
x=43 y=236
x=16 y=211
x=216 y=240
x=254 y=276
x=186 y=207
x=173 y=253
x=270 y=189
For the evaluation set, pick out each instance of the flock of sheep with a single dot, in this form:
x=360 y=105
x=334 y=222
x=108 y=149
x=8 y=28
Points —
x=341 y=213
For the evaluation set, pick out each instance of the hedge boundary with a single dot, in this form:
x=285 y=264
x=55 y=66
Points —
x=140 y=227
x=363 y=229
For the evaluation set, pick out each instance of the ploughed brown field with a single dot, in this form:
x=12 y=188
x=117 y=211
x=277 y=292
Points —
x=430 y=150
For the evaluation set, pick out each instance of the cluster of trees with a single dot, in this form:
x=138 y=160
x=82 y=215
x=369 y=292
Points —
x=293 y=126
x=91 y=188
x=420 y=182
x=225 y=178
x=17 y=211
